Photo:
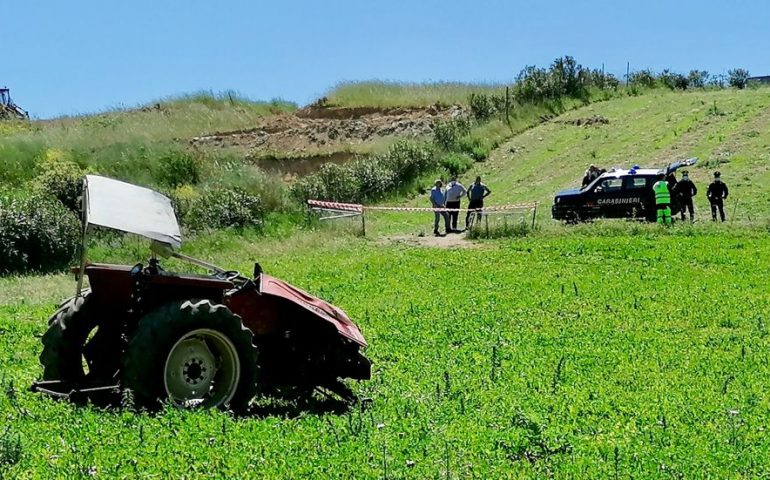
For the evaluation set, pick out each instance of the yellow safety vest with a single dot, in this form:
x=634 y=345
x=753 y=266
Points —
x=662 y=195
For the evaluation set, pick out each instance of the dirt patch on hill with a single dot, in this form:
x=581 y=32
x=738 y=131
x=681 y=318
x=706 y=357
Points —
x=319 y=128
x=586 y=122
x=453 y=240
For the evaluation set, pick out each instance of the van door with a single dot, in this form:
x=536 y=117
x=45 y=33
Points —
x=636 y=195
x=606 y=197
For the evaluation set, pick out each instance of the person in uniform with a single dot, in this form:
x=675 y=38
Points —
x=662 y=201
x=684 y=191
x=671 y=180
x=438 y=201
x=717 y=194
x=455 y=191
x=476 y=195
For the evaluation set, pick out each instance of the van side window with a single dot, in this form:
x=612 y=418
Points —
x=631 y=183
x=610 y=185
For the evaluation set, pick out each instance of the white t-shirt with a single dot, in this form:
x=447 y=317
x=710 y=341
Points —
x=455 y=191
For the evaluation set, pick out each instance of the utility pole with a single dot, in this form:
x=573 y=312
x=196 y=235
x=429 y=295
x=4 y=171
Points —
x=628 y=71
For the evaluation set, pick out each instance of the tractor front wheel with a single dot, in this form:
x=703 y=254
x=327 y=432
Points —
x=194 y=354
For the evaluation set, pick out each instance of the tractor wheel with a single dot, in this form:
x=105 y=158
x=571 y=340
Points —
x=194 y=354
x=73 y=346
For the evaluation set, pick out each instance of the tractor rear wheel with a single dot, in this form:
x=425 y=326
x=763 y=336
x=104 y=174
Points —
x=193 y=353
x=75 y=346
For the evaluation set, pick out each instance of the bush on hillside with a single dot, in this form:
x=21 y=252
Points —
x=447 y=133
x=36 y=234
x=738 y=77
x=60 y=178
x=698 y=78
x=674 y=81
x=223 y=208
x=643 y=78
x=374 y=179
x=176 y=168
x=483 y=107
x=456 y=163
x=367 y=178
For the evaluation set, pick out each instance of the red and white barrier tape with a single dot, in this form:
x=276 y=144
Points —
x=355 y=207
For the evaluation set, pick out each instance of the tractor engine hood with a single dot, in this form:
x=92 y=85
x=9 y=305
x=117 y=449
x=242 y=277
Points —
x=278 y=288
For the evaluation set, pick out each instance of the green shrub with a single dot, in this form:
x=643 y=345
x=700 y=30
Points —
x=738 y=77
x=698 y=78
x=482 y=106
x=60 y=178
x=222 y=208
x=407 y=160
x=339 y=182
x=446 y=134
x=367 y=178
x=674 y=81
x=480 y=153
x=177 y=167
x=456 y=163
x=36 y=234
x=643 y=78
x=373 y=178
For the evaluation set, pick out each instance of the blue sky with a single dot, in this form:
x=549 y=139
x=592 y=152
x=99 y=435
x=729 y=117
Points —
x=85 y=56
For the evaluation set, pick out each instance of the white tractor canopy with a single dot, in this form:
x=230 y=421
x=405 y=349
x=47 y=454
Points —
x=129 y=208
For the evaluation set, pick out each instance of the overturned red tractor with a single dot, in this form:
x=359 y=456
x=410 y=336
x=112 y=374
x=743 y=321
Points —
x=214 y=340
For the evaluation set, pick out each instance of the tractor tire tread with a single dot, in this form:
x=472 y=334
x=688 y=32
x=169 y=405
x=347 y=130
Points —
x=158 y=330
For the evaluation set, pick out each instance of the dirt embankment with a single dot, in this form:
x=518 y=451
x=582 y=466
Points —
x=318 y=128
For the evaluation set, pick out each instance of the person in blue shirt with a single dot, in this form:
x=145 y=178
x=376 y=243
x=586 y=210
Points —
x=438 y=200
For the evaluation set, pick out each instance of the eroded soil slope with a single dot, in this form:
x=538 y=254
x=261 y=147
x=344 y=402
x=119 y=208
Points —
x=327 y=129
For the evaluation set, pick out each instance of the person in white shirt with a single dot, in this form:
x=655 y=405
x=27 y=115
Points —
x=438 y=200
x=455 y=191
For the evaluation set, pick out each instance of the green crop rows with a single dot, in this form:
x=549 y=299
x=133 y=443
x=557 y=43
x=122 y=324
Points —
x=578 y=356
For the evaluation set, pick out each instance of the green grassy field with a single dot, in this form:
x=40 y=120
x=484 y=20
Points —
x=592 y=354
x=606 y=350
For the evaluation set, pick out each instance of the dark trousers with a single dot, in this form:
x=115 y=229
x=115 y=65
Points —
x=473 y=204
x=720 y=205
x=686 y=204
x=453 y=214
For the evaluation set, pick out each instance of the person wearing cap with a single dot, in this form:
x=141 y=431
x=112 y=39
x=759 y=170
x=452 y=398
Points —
x=476 y=195
x=662 y=201
x=454 y=193
x=684 y=190
x=438 y=200
x=591 y=174
x=717 y=194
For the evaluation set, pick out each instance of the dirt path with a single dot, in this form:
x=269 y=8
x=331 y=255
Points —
x=453 y=240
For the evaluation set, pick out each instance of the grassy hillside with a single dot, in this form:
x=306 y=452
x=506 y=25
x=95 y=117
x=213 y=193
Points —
x=729 y=130
x=126 y=143
x=402 y=94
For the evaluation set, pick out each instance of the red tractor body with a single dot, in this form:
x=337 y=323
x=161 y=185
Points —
x=196 y=340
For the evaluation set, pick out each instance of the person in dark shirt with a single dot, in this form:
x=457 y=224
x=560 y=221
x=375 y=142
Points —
x=717 y=194
x=684 y=190
x=476 y=193
x=671 y=181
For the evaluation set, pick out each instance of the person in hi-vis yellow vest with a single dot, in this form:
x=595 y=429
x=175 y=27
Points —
x=662 y=201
